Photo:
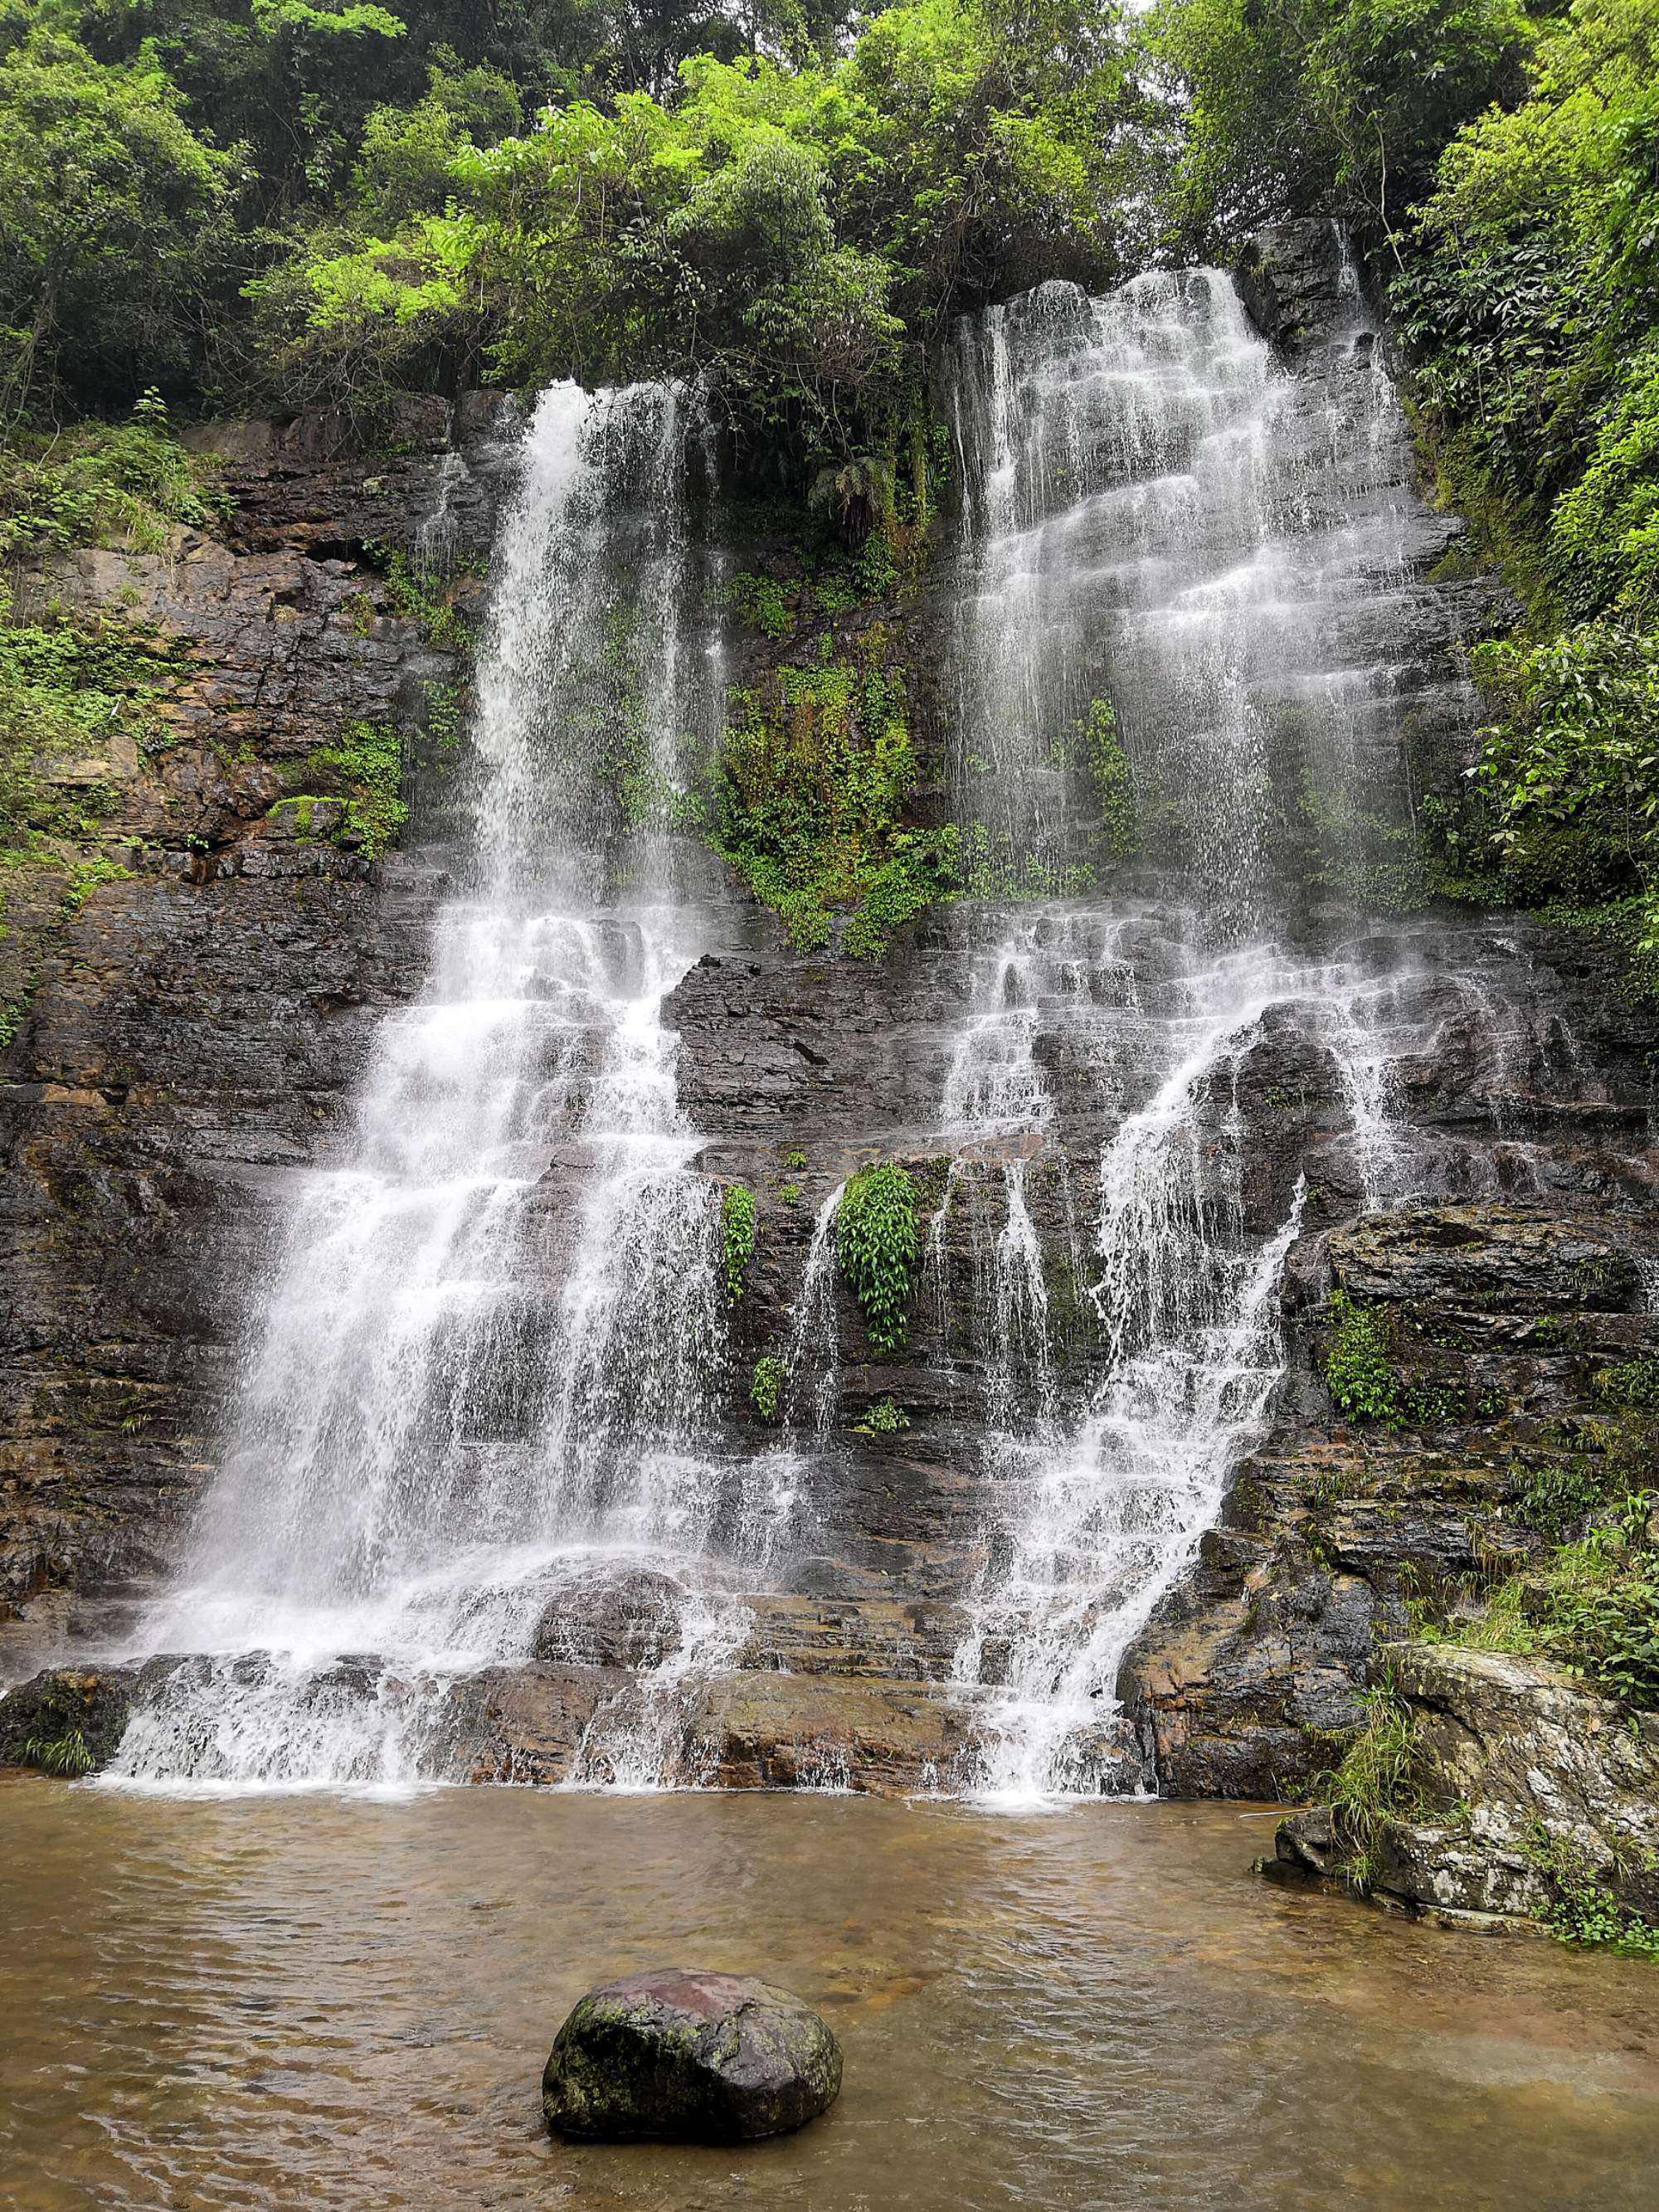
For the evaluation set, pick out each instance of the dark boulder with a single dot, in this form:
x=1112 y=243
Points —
x=66 y=1721
x=633 y=1622
x=681 y=2055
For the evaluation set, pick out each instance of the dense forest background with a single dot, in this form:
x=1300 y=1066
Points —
x=232 y=206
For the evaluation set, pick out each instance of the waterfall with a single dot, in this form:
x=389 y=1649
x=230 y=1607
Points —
x=1171 y=545
x=479 y=1418
x=480 y=1378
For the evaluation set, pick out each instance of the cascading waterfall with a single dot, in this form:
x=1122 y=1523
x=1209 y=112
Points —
x=431 y=1444
x=1175 y=547
x=477 y=1424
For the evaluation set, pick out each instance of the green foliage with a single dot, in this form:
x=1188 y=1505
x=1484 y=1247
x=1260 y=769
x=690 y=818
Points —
x=1557 y=1498
x=884 y=1418
x=737 y=1236
x=992 y=869
x=1632 y=1385
x=120 y=485
x=66 y=1754
x=110 y=207
x=1113 y=779
x=414 y=597
x=1358 y=1369
x=1585 y=1909
x=364 y=766
x=766 y=1386
x=810 y=793
x=69 y=686
x=877 y=1246
x=1316 y=106
x=1376 y=1783
x=1599 y=1611
x=1528 y=296
x=444 y=716
x=793 y=231
x=1572 y=771
x=1592 y=1603
x=761 y=602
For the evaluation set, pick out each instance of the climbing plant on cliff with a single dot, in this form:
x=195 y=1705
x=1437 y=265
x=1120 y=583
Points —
x=877 y=1246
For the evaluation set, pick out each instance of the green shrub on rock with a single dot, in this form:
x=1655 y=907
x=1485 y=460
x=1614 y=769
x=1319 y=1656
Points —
x=737 y=1236
x=766 y=1386
x=877 y=1245
x=1357 y=1366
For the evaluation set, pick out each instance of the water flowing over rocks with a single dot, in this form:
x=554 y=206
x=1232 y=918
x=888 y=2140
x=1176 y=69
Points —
x=196 y=1035
x=1244 y=1679
x=689 y=2057
x=415 y=1169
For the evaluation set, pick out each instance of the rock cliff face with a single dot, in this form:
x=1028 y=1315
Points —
x=196 y=1034
x=196 y=1031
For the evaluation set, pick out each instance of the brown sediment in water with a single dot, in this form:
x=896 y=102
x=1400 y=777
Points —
x=319 y=2000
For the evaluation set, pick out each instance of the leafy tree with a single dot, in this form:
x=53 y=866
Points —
x=795 y=235
x=1324 y=106
x=109 y=207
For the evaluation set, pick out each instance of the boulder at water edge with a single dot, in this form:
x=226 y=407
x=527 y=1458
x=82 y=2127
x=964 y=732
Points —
x=685 y=2057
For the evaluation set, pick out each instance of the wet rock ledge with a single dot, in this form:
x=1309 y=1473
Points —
x=1533 y=1802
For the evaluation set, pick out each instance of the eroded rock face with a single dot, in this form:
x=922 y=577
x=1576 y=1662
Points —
x=1500 y=1318
x=1526 y=1778
x=683 y=2056
x=195 y=1032
x=1290 y=275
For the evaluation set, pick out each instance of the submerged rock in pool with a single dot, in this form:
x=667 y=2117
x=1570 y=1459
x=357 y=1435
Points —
x=687 y=2057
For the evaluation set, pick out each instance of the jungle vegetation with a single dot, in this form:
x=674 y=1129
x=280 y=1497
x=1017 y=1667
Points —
x=209 y=206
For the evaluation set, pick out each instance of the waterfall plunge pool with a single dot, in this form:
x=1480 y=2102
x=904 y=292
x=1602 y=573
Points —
x=344 y=2002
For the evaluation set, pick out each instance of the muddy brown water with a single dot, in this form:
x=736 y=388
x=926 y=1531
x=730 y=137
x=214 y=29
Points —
x=326 y=2001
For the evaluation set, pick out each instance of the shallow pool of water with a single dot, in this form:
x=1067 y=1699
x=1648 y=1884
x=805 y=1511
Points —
x=319 y=2000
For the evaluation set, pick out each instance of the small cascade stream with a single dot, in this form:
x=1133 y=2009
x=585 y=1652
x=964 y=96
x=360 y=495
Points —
x=1170 y=541
x=429 y=1450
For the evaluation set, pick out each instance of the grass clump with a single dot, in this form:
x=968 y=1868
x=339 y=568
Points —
x=67 y=1754
x=1592 y=1606
x=1375 y=1784
x=877 y=1246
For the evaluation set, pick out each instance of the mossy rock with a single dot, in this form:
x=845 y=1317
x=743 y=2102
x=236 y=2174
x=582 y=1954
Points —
x=678 y=2055
x=67 y=1721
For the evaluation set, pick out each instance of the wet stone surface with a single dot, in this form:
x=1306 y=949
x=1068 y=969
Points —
x=679 y=2054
